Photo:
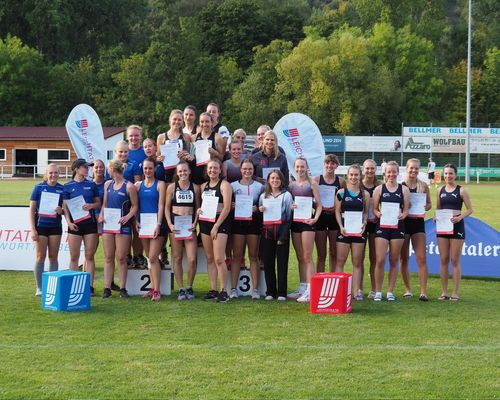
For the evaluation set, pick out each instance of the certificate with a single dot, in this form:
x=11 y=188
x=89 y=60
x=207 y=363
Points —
x=444 y=226
x=202 y=155
x=209 y=208
x=111 y=220
x=48 y=204
x=417 y=205
x=75 y=209
x=243 y=207
x=267 y=171
x=304 y=208
x=390 y=212
x=327 y=194
x=148 y=224
x=353 y=223
x=183 y=225
x=272 y=211
x=169 y=151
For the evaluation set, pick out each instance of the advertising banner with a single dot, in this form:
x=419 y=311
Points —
x=448 y=144
x=365 y=144
x=299 y=136
x=485 y=145
x=417 y=144
x=86 y=134
x=17 y=250
x=449 y=131
x=480 y=253
x=334 y=144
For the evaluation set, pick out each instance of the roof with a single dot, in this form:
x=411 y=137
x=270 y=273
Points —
x=46 y=132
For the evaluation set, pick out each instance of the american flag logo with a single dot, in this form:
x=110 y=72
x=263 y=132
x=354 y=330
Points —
x=82 y=123
x=292 y=132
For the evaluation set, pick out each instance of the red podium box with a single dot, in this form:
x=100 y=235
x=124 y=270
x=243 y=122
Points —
x=330 y=293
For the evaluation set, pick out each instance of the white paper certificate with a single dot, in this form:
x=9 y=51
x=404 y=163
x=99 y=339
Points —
x=353 y=223
x=444 y=226
x=267 y=171
x=417 y=205
x=148 y=222
x=48 y=204
x=243 y=207
x=75 y=209
x=390 y=213
x=202 y=155
x=169 y=151
x=111 y=220
x=183 y=224
x=272 y=210
x=209 y=208
x=304 y=208
x=327 y=194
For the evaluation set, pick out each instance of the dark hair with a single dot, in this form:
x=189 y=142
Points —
x=332 y=158
x=190 y=107
x=452 y=166
x=268 y=189
x=176 y=177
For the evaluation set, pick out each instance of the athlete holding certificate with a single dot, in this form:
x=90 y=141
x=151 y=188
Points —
x=352 y=202
x=420 y=202
x=391 y=202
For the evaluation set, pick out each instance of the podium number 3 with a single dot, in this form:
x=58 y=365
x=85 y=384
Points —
x=245 y=283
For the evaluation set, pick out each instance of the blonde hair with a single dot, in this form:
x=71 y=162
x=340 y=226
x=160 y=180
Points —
x=421 y=185
x=276 y=152
x=300 y=158
x=376 y=182
x=130 y=127
x=121 y=143
x=117 y=166
x=46 y=174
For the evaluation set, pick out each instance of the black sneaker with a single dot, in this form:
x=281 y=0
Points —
x=115 y=287
x=143 y=262
x=130 y=261
x=211 y=295
x=223 y=297
x=92 y=291
x=190 y=293
x=123 y=293
x=107 y=293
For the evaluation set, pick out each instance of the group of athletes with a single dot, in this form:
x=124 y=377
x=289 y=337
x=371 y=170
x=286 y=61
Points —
x=135 y=182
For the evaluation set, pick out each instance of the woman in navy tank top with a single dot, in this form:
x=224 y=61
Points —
x=452 y=197
x=151 y=194
x=183 y=199
x=231 y=167
x=389 y=192
x=118 y=194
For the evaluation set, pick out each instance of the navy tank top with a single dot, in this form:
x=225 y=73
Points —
x=450 y=200
x=392 y=197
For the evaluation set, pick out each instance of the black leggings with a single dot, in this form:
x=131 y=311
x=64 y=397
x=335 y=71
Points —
x=272 y=252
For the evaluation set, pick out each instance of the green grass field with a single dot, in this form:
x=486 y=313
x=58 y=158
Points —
x=133 y=348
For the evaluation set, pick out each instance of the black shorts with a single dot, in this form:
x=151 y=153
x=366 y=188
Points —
x=327 y=222
x=88 y=228
x=458 y=232
x=352 y=239
x=206 y=227
x=414 y=225
x=49 y=231
x=253 y=227
x=371 y=227
x=430 y=175
x=389 y=233
x=299 y=227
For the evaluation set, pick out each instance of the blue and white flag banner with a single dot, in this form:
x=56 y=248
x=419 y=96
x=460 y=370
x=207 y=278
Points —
x=86 y=134
x=299 y=136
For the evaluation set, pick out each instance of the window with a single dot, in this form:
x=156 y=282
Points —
x=3 y=155
x=110 y=155
x=58 y=155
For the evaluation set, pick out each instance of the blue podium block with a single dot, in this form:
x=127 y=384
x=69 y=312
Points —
x=66 y=291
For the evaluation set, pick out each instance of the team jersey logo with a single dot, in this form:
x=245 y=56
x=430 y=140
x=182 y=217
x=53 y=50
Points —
x=328 y=292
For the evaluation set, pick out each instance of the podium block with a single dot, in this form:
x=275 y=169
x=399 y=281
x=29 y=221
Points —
x=331 y=293
x=139 y=282
x=66 y=291
x=245 y=286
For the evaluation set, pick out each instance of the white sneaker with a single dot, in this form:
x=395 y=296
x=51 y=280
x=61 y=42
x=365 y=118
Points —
x=233 y=294
x=296 y=293
x=390 y=296
x=38 y=292
x=268 y=298
x=281 y=298
x=304 y=298
x=378 y=296
x=255 y=294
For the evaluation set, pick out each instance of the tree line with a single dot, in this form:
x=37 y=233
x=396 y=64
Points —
x=354 y=66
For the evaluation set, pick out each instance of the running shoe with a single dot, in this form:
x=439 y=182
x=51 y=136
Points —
x=390 y=296
x=234 y=294
x=281 y=298
x=123 y=293
x=149 y=293
x=189 y=293
x=223 y=297
x=142 y=262
x=92 y=291
x=38 y=292
x=371 y=294
x=269 y=298
x=107 y=293
x=304 y=298
x=115 y=287
x=359 y=296
x=211 y=295
x=255 y=294
x=156 y=296
x=182 y=295
x=130 y=261
x=296 y=293
x=377 y=297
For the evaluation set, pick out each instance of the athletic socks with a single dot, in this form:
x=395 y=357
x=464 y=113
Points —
x=38 y=271
x=53 y=266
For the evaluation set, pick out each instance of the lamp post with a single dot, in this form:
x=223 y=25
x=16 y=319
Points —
x=467 y=142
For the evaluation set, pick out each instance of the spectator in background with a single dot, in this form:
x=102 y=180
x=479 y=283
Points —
x=189 y=120
x=431 y=169
x=135 y=150
x=214 y=112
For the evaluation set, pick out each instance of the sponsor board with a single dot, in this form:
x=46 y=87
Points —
x=417 y=144
x=365 y=144
x=449 y=131
x=334 y=144
x=448 y=144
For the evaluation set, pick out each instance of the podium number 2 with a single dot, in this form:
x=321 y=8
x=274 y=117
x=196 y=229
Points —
x=145 y=287
x=245 y=283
